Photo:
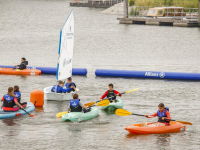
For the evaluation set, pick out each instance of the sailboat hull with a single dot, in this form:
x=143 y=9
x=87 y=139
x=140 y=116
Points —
x=48 y=95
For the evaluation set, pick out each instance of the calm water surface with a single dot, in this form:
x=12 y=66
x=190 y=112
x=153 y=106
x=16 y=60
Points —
x=30 y=28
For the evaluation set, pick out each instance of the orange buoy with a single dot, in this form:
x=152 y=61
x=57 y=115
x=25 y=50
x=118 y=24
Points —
x=37 y=97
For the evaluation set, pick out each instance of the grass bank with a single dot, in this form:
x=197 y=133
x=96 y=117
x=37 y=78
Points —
x=161 y=3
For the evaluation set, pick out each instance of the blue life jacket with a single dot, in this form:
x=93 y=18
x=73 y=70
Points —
x=163 y=114
x=18 y=96
x=74 y=106
x=68 y=85
x=59 y=90
x=8 y=101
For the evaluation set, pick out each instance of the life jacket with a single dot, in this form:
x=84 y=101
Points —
x=8 y=101
x=74 y=106
x=162 y=114
x=111 y=94
x=18 y=96
x=58 y=89
x=68 y=85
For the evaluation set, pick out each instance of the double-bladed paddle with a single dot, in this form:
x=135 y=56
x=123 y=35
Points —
x=122 y=112
x=92 y=103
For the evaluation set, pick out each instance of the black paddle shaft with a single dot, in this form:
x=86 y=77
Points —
x=137 y=114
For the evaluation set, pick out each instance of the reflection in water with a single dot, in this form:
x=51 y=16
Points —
x=39 y=109
x=108 y=112
x=9 y=122
x=163 y=140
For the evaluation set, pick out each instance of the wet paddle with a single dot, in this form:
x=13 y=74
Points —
x=28 y=113
x=92 y=103
x=102 y=103
x=122 y=112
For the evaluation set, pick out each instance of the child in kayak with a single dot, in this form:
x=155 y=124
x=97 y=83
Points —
x=76 y=106
x=162 y=113
x=60 y=88
x=111 y=94
x=17 y=93
x=70 y=84
x=10 y=102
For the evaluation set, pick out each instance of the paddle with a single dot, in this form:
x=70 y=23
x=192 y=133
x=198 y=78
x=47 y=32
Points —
x=92 y=103
x=28 y=113
x=102 y=103
x=122 y=112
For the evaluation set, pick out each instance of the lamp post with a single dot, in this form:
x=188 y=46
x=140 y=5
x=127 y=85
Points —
x=126 y=8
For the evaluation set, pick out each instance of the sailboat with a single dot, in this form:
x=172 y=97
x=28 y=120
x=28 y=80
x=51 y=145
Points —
x=65 y=57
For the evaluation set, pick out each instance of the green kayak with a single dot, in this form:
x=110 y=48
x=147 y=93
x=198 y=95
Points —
x=79 y=116
x=113 y=106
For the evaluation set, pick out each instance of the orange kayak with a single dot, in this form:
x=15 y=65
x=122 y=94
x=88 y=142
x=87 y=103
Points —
x=155 y=128
x=11 y=71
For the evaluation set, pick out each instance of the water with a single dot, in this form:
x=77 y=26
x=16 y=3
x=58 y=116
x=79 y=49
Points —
x=31 y=29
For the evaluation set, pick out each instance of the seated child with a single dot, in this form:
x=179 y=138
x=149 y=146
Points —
x=111 y=94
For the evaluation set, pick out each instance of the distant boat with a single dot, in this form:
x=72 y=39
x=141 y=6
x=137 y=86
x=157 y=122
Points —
x=166 y=12
x=64 y=66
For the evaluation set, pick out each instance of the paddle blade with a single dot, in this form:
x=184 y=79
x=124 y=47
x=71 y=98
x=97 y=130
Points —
x=103 y=103
x=132 y=90
x=184 y=122
x=32 y=115
x=90 y=104
x=60 y=114
x=122 y=112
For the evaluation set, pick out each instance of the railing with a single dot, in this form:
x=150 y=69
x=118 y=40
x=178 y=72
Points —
x=141 y=11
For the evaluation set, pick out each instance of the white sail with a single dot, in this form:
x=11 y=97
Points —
x=66 y=47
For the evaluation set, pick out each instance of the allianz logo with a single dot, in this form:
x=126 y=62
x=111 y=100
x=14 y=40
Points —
x=16 y=95
x=154 y=74
x=66 y=62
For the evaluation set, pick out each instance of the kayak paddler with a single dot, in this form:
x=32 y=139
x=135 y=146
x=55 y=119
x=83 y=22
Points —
x=75 y=105
x=59 y=88
x=111 y=94
x=22 y=65
x=10 y=102
x=162 y=113
x=17 y=93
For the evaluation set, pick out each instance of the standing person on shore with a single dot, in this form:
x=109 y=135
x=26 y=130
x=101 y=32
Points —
x=111 y=94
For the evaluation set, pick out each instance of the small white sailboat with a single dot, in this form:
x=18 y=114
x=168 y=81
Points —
x=65 y=57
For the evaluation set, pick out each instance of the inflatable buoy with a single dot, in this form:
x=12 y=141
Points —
x=76 y=1
x=37 y=97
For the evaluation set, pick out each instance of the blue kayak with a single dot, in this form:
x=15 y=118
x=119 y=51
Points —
x=29 y=108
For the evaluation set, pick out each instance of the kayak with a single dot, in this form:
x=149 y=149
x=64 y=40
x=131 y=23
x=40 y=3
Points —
x=11 y=71
x=155 y=128
x=79 y=116
x=29 y=108
x=113 y=106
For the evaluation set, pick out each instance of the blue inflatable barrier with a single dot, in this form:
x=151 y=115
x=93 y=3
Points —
x=53 y=70
x=147 y=74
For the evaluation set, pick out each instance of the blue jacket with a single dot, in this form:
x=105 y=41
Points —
x=68 y=85
x=60 y=89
